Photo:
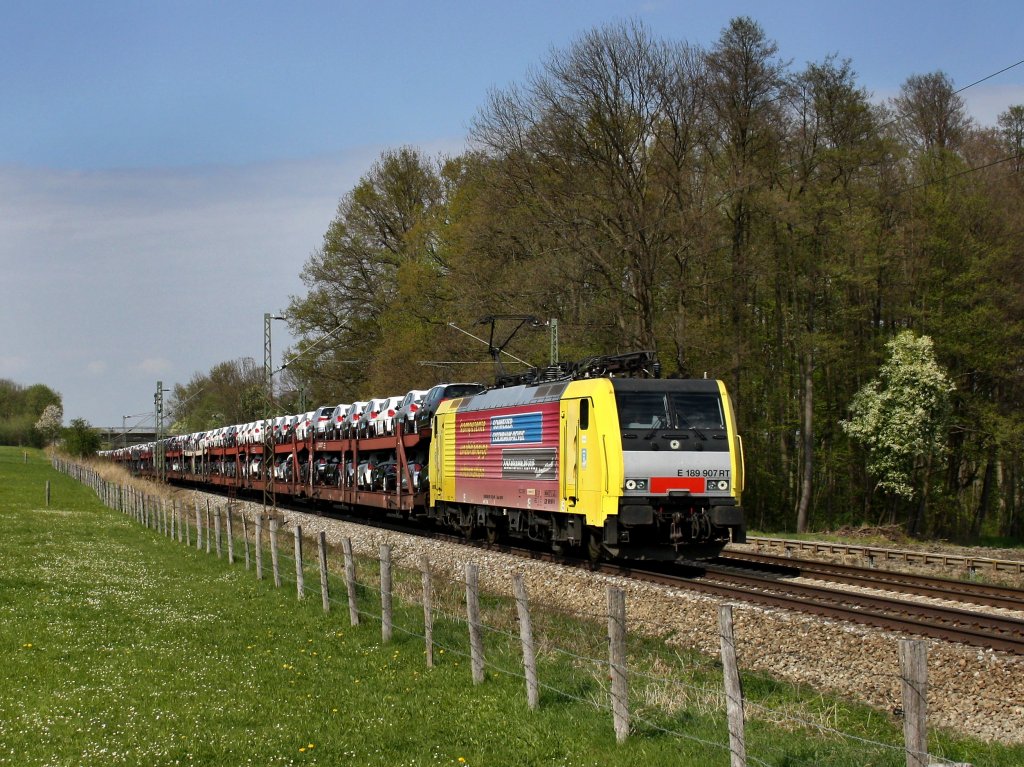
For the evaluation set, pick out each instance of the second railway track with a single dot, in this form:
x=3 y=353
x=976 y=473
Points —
x=951 y=624
x=932 y=587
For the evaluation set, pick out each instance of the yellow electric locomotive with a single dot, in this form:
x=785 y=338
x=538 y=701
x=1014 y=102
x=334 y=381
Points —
x=637 y=468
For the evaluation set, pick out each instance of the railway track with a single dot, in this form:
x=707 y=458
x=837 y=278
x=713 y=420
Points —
x=767 y=581
x=885 y=580
x=872 y=555
x=951 y=624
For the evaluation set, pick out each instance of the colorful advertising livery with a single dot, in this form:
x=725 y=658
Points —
x=508 y=456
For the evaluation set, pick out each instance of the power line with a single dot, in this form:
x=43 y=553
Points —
x=989 y=77
x=964 y=172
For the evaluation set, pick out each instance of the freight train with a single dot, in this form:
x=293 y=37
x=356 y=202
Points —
x=600 y=458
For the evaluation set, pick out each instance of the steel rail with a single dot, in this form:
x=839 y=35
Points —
x=945 y=623
x=909 y=583
x=971 y=564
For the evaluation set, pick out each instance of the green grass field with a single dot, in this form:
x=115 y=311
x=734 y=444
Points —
x=123 y=647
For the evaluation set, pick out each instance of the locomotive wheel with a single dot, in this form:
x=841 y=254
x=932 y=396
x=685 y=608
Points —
x=494 y=531
x=594 y=550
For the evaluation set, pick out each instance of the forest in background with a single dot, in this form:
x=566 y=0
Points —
x=746 y=219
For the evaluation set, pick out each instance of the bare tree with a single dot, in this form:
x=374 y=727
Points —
x=930 y=113
x=385 y=222
x=600 y=141
x=1011 y=126
x=746 y=87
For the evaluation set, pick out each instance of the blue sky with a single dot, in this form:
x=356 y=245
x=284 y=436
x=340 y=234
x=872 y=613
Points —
x=160 y=161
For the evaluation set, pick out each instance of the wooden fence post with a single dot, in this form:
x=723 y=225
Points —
x=208 y=527
x=174 y=519
x=350 y=581
x=199 y=529
x=245 y=539
x=273 y=551
x=526 y=637
x=258 y=544
x=47 y=493
x=617 y=662
x=321 y=545
x=188 y=528
x=733 y=688
x=231 y=537
x=385 y=593
x=300 y=581
x=914 y=676
x=216 y=528
x=476 y=639
x=428 y=609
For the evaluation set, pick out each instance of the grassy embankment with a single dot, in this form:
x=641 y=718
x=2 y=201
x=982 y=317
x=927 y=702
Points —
x=121 y=647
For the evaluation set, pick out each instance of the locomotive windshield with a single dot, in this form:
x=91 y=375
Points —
x=670 y=410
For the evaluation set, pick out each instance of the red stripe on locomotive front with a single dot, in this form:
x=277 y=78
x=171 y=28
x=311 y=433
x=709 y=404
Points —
x=661 y=485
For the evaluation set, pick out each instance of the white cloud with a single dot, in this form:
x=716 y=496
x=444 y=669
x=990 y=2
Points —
x=986 y=103
x=154 y=365
x=158 y=273
x=12 y=366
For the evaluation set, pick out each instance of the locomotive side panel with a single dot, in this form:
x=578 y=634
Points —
x=505 y=457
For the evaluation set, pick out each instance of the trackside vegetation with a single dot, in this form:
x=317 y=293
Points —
x=123 y=647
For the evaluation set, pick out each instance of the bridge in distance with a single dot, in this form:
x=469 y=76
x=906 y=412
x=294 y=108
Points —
x=118 y=436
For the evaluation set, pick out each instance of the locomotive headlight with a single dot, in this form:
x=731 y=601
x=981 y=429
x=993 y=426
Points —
x=636 y=484
x=631 y=484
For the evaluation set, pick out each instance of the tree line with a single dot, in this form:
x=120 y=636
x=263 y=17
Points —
x=33 y=416
x=748 y=220
x=30 y=416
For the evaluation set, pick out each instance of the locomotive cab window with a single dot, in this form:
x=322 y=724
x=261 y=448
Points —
x=674 y=410
x=642 y=410
x=584 y=414
x=698 y=409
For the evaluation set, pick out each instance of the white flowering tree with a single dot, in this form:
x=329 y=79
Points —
x=51 y=423
x=901 y=418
